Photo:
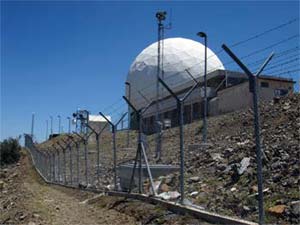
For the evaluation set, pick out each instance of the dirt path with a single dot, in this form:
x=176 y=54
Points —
x=31 y=201
x=26 y=199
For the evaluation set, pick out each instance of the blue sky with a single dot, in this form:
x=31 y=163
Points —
x=57 y=56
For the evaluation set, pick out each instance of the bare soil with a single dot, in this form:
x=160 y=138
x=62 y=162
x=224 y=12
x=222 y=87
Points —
x=26 y=199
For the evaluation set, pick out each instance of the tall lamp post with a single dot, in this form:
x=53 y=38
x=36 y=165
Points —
x=46 y=130
x=51 y=125
x=203 y=35
x=129 y=114
x=32 y=125
x=69 y=118
x=59 y=121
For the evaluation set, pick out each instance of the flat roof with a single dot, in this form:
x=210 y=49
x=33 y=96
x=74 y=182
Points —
x=98 y=118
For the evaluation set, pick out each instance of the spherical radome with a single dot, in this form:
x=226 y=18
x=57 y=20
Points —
x=180 y=54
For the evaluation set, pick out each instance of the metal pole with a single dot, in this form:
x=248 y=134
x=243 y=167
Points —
x=202 y=34
x=148 y=169
x=49 y=165
x=115 y=155
x=46 y=130
x=69 y=118
x=139 y=150
x=71 y=164
x=65 y=172
x=180 y=105
x=98 y=157
x=114 y=131
x=58 y=166
x=53 y=167
x=157 y=91
x=86 y=162
x=51 y=125
x=59 y=123
x=32 y=124
x=253 y=89
x=205 y=93
x=129 y=112
x=161 y=16
x=180 y=114
x=258 y=154
x=77 y=166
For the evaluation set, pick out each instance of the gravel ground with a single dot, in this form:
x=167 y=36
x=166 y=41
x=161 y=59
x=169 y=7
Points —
x=26 y=199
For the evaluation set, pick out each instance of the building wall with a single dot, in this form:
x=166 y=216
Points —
x=267 y=93
x=238 y=97
x=233 y=98
x=230 y=99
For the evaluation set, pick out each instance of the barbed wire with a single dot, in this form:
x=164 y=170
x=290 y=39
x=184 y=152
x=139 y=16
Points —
x=284 y=69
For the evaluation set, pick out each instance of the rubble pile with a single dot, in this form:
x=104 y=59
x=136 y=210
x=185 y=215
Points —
x=221 y=177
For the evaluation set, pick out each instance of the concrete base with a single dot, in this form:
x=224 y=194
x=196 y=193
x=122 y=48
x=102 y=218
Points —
x=125 y=171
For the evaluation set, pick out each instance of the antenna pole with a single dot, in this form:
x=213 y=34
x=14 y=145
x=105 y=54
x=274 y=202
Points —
x=161 y=16
x=32 y=125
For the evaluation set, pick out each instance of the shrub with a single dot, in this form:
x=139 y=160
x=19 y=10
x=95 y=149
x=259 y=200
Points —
x=10 y=151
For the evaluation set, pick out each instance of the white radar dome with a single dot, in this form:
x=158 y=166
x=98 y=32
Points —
x=179 y=55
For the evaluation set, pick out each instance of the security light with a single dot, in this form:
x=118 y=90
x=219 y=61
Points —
x=201 y=34
x=161 y=15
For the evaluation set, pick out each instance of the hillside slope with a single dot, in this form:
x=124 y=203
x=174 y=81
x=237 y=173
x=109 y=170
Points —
x=222 y=176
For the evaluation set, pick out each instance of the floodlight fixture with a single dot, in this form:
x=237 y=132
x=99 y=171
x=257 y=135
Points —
x=161 y=15
x=201 y=34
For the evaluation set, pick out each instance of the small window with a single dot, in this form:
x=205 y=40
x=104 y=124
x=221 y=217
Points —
x=264 y=84
x=280 y=92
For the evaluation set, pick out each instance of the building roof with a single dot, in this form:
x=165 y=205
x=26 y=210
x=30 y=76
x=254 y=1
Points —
x=283 y=79
x=98 y=118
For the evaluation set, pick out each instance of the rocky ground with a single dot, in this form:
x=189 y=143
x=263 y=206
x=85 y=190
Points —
x=222 y=176
x=26 y=199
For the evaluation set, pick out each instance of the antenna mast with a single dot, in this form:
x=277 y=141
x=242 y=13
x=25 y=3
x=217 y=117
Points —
x=161 y=16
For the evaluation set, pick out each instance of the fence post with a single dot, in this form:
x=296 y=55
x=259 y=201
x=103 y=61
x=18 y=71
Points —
x=69 y=146
x=77 y=143
x=58 y=164
x=85 y=142
x=77 y=166
x=114 y=129
x=180 y=104
x=71 y=164
x=253 y=90
x=53 y=167
x=140 y=149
